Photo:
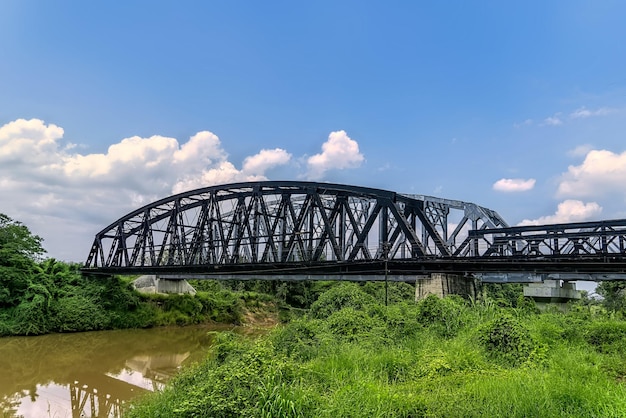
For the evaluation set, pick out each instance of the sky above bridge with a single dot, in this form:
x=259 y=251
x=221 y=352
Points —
x=107 y=106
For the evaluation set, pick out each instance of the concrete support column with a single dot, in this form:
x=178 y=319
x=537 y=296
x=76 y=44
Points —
x=156 y=284
x=444 y=284
x=174 y=286
x=552 y=293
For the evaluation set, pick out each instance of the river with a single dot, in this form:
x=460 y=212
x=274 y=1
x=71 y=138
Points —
x=91 y=374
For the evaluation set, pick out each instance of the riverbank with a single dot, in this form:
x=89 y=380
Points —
x=353 y=357
x=57 y=298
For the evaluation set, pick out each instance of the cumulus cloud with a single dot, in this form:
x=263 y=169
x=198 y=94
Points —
x=600 y=173
x=28 y=142
x=568 y=211
x=254 y=168
x=338 y=152
x=65 y=195
x=223 y=173
x=258 y=164
x=514 y=185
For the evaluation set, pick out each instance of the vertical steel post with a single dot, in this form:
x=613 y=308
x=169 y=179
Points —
x=386 y=246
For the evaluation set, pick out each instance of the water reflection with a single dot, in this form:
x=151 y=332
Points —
x=91 y=374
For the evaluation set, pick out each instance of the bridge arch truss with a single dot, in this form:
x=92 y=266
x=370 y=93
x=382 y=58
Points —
x=290 y=227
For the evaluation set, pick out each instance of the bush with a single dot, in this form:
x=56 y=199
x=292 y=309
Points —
x=351 y=325
x=77 y=313
x=298 y=339
x=506 y=340
x=372 y=360
x=606 y=336
x=444 y=316
x=396 y=291
x=342 y=296
x=401 y=321
x=32 y=317
x=255 y=382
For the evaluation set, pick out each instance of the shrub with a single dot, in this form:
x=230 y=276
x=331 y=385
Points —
x=505 y=339
x=78 y=313
x=256 y=381
x=444 y=316
x=396 y=292
x=350 y=324
x=400 y=321
x=32 y=317
x=343 y=296
x=606 y=336
x=298 y=339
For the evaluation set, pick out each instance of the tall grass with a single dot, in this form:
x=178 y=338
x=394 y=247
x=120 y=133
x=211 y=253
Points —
x=438 y=358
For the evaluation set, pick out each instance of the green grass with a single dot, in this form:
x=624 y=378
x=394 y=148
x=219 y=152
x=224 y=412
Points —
x=356 y=358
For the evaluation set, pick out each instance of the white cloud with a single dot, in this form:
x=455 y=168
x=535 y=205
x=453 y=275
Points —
x=203 y=148
x=338 y=152
x=258 y=164
x=514 y=185
x=583 y=112
x=601 y=172
x=66 y=196
x=254 y=168
x=568 y=211
x=28 y=141
x=225 y=172
x=552 y=120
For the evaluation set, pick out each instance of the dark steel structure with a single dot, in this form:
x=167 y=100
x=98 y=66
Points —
x=306 y=228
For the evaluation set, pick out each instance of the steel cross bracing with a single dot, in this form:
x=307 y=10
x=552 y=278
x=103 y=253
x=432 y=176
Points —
x=581 y=241
x=287 y=228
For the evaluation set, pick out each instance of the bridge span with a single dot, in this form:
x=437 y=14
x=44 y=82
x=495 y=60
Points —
x=305 y=230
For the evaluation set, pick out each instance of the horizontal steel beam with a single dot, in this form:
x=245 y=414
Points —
x=297 y=277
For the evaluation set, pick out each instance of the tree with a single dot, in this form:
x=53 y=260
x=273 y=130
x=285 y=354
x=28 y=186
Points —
x=18 y=246
x=19 y=250
x=504 y=294
x=613 y=294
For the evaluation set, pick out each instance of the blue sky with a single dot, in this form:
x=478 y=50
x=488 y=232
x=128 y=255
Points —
x=105 y=106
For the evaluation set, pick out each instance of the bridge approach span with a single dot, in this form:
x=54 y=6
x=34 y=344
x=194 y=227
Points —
x=304 y=229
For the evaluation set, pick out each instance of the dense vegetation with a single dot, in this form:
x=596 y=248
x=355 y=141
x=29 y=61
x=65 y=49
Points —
x=351 y=356
x=39 y=296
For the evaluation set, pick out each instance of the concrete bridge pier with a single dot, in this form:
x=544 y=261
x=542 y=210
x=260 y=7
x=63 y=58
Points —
x=155 y=284
x=444 y=284
x=552 y=293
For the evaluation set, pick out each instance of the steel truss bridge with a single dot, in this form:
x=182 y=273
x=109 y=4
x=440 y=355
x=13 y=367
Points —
x=305 y=230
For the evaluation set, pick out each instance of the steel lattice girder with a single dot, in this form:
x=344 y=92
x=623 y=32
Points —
x=573 y=240
x=287 y=223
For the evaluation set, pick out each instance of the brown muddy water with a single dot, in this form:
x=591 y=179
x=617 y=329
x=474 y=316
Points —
x=92 y=374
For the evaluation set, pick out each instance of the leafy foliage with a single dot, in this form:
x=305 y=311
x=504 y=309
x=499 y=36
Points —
x=614 y=295
x=38 y=297
x=342 y=296
x=18 y=246
x=504 y=294
x=606 y=336
x=507 y=340
x=19 y=249
x=442 y=315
